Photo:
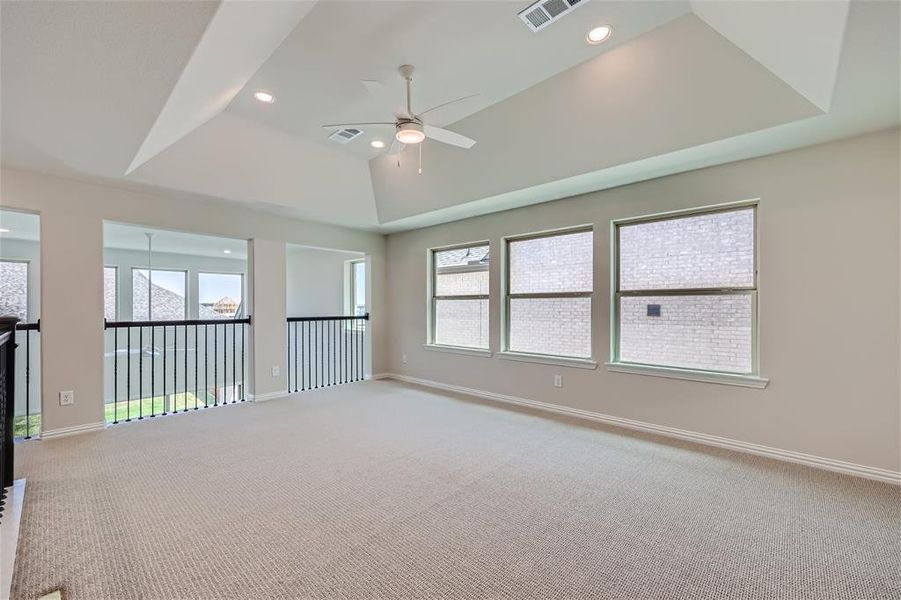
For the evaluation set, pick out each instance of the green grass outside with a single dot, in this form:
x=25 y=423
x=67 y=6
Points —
x=121 y=411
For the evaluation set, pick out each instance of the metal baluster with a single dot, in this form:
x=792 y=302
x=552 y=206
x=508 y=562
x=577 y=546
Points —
x=215 y=364
x=234 y=355
x=303 y=355
x=128 y=377
x=152 y=369
x=196 y=353
x=165 y=352
x=115 y=375
x=140 y=373
x=27 y=382
x=308 y=353
x=243 y=367
x=295 y=356
x=184 y=392
x=206 y=364
x=288 y=366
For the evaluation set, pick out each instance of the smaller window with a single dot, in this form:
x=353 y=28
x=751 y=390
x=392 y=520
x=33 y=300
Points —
x=167 y=295
x=459 y=304
x=357 y=287
x=14 y=289
x=110 y=293
x=221 y=295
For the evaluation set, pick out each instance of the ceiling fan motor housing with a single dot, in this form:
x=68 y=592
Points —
x=409 y=132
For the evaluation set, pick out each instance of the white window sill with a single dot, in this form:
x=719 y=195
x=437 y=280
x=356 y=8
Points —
x=484 y=352
x=561 y=361
x=751 y=381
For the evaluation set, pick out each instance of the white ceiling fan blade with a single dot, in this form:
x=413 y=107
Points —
x=448 y=137
x=443 y=104
x=379 y=93
x=343 y=125
x=396 y=148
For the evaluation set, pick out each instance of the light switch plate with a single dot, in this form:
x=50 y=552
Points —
x=66 y=398
x=275 y=371
x=558 y=380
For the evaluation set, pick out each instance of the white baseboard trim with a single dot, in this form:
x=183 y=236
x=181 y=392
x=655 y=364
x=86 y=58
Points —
x=381 y=376
x=810 y=460
x=74 y=430
x=265 y=397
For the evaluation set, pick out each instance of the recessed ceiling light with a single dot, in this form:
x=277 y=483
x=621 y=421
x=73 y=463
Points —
x=599 y=34
x=227 y=251
x=265 y=97
x=377 y=144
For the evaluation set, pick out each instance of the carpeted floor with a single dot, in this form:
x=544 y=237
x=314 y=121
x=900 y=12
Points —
x=381 y=490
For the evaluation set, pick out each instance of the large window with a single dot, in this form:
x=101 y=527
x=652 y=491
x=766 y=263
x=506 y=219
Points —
x=166 y=294
x=549 y=288
x=686 y=290
x=110 y=293
x=459 y=303
x=221 y=295
x=14 y=289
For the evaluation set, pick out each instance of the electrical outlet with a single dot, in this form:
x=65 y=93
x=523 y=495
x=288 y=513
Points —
x=275 y=371
x=404 y=358
x=66 y=398
x=558 y=381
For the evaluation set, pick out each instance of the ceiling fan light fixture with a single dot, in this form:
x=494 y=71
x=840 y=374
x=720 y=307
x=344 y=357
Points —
x=599 y=34
x=410 y=133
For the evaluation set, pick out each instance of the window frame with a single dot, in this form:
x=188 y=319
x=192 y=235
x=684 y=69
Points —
x=432 y=300
x=751 y=379
x=116 y=295
x=553 y=359
x=186 y=273
x=198 y=273
x=28 y=282
x=352 y=286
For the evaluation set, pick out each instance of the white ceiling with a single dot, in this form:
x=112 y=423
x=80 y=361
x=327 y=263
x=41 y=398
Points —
x=166 y=89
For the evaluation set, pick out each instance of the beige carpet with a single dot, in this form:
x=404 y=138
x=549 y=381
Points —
x=380 y=490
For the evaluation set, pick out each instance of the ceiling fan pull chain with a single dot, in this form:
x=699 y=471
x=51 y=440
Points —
x=420 y=159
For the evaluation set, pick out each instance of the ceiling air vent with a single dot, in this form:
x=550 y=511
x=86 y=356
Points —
x=342 y=136
x=544 y=12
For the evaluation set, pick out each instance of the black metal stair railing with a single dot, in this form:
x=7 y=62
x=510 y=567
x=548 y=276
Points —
x=325 y=351
x=167 y=367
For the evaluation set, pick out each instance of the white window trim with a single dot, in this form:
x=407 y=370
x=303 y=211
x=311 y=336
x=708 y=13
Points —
x=752 y=379
x=548 y=359
x=430 y=302
x=469 y=351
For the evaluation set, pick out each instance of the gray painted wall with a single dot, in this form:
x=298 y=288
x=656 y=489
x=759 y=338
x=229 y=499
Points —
x=316 y=280
x=829 y=304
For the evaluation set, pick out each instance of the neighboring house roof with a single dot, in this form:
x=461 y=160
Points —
x=167 y=305
x=463 y=256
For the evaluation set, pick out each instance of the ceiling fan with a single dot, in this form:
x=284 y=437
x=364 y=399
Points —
x=409 y=126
